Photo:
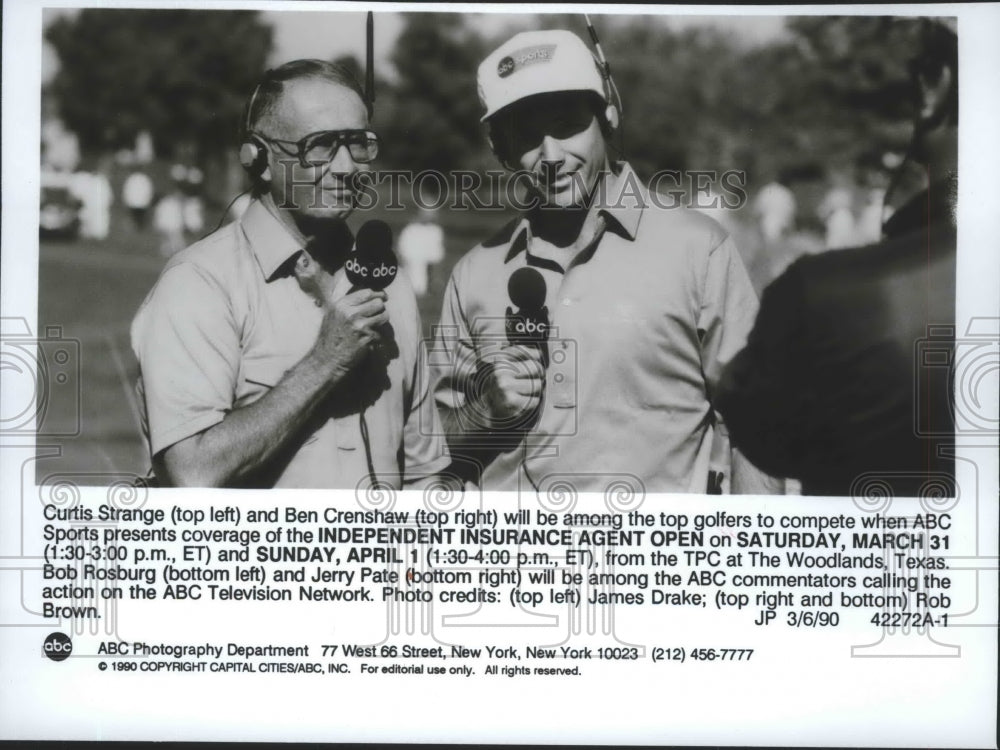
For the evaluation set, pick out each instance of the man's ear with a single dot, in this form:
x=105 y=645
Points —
x=935 y=94
x=493 y=150
x=498 y=155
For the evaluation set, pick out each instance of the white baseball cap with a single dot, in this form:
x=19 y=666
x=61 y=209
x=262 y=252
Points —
x=537 y=62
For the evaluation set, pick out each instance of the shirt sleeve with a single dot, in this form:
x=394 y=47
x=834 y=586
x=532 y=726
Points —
x=188 y=346
x=425 y=450
x=453 y=358
x=758 y=392
x=455 y=363
x=729 y=306
x=726 y=315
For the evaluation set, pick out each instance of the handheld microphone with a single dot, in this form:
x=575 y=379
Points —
x=372 y=264
x=527 y=323
x=328 y=243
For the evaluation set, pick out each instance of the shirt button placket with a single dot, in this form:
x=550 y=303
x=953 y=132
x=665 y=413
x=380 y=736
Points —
x=560 y=377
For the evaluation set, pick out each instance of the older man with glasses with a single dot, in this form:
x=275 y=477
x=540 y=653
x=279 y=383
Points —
x=260 y=364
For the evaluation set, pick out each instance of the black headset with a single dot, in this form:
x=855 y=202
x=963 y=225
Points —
x=253 y=154
x=253 y=149
x=611 y=94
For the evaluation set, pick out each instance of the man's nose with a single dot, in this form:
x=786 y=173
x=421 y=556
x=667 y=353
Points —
x=552 y=156
x=552 y=150
x=342 y=162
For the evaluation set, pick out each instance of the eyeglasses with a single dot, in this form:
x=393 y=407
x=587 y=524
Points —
x=318 y=149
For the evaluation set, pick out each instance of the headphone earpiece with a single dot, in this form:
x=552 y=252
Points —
x=614 y=111
x=612 y=117
x=253 y=151
x=253 y=156
x=502 y=156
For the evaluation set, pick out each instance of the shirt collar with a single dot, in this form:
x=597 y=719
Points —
x=270 y=241
x=519 y=239
x=621 y=201
x=624 y=200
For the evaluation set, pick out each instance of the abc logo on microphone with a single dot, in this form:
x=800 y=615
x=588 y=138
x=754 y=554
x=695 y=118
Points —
x=525 y=329
x=373 y=264
x=57 y=646
x=528 y=327
x=527 y=322
x=381 y=271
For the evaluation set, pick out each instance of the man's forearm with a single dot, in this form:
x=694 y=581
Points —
x=250 y=436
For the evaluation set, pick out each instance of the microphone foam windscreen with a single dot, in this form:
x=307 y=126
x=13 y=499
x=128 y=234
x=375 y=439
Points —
x=526 y=289
x=373 y=264
x=329 y=243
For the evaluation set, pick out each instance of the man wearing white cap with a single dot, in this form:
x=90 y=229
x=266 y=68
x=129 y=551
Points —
x=642 y=305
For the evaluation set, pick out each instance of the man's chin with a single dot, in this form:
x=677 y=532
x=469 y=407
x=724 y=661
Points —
x=567 y=196
x=565 y=199
x=327 y=213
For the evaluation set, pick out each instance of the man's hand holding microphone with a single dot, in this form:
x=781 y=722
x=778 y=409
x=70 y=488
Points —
x=514 y=379
x=352 y=324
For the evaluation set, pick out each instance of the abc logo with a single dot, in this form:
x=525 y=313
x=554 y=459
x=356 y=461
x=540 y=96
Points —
x=505 y=67
x=57 y=646
x=380 y=271
x=530 y=327
x=384 y=271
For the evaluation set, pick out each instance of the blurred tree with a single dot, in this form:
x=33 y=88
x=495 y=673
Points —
x=852 y=87
x=183 y=75
x=352 y=63
x=431 y=118
x=383 y=89
x=680 y=111
x=830 y=96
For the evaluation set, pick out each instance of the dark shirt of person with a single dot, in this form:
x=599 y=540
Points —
x=844 y=382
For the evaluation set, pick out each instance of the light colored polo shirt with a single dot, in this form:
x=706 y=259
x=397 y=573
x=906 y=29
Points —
x=223 y=324
x=643 y=320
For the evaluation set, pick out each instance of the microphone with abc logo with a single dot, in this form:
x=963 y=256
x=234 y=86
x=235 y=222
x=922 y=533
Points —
x=372 y=264
x=527 y=323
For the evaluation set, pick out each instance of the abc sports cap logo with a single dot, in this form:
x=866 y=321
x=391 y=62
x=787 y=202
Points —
x=540 y=53
x=536 y=62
